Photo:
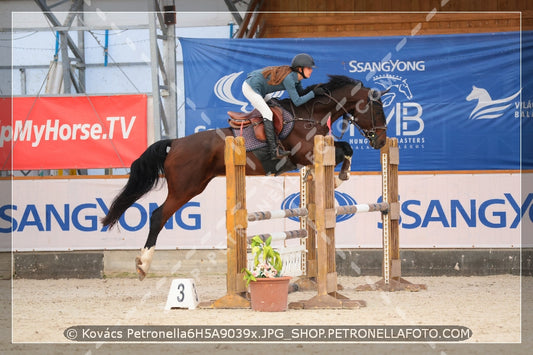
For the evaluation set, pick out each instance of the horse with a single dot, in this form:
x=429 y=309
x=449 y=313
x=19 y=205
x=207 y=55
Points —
x=189 y=163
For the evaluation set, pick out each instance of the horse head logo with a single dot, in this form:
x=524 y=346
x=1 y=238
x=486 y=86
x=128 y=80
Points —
x=486 y=107
x=223 y=90
x=395 y=85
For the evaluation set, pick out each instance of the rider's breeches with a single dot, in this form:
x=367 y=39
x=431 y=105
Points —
x=257 y=101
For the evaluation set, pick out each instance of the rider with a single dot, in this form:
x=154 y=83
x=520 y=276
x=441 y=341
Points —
x=262 y=82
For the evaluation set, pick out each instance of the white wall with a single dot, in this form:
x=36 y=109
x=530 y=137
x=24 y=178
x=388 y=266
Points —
x=458 y=211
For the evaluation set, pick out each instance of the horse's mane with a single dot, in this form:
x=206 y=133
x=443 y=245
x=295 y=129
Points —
x=335 y=82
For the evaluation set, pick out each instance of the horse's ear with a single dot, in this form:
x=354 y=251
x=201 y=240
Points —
x=376 y=95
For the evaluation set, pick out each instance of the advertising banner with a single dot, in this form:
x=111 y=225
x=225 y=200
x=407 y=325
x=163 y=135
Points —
x=446 y=213
x=79 y=132
x=455 y=102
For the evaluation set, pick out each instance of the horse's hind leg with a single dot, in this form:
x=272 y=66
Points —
x=157 y=221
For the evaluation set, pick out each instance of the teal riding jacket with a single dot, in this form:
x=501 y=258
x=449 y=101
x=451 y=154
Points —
x=291 y=84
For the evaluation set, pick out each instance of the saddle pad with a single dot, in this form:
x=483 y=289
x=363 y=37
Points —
x=252 y=143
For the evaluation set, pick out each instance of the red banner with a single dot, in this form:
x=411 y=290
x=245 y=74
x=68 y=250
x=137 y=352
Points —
x=74 y=132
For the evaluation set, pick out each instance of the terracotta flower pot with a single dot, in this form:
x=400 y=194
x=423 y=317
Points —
x=270 y=294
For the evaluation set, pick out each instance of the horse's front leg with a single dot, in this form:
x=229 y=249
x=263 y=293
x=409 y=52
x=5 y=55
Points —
x=143 y=262
x=344 y=173
x=343 y=153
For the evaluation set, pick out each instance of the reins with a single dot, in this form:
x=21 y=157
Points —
x=370 y=134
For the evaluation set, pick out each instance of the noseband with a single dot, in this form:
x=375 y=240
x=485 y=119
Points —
x=369 y=134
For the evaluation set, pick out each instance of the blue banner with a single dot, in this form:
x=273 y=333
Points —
x=454 y=101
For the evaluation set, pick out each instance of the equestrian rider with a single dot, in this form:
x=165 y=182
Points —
x=262 y=82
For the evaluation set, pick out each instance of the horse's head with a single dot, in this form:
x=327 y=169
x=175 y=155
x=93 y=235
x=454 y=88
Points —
x=361 y=106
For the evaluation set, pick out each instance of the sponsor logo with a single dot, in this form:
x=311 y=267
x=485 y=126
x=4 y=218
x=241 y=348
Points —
x=495 y=213
x=387 y=66
x=223 y=90
x=84 y=217
x=487 y=108
x=404 y=118
x=343 y=199
x=524 y=109
x=396 y=86
x=55 y=130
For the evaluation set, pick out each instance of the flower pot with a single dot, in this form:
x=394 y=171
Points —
x=270 y=294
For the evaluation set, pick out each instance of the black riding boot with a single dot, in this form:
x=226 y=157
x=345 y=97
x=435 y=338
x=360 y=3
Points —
x=275 y=151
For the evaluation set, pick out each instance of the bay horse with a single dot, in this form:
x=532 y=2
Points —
x=191 y=162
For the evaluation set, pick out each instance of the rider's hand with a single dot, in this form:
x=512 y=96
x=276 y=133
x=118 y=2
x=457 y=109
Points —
x=319 y=91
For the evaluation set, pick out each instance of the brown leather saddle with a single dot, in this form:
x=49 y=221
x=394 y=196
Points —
x=240 y=120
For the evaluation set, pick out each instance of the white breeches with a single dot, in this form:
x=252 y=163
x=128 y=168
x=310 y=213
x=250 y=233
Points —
x=257 y=101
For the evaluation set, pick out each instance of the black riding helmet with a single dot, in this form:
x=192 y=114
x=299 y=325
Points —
x=300 y=61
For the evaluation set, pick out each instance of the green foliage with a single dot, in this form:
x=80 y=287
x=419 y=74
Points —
x=267 y=261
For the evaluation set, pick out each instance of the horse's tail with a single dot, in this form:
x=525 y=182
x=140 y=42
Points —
x=144 y=173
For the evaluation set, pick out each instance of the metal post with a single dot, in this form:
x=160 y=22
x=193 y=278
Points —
x=155 y=76
x=169 y=99
x=65 y=61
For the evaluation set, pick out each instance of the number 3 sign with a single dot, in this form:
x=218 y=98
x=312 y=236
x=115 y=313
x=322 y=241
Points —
x=182 y=294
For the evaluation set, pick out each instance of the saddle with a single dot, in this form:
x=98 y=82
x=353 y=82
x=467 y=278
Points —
x=240 y=120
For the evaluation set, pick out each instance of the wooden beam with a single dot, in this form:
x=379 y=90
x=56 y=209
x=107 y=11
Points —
x=243 y=29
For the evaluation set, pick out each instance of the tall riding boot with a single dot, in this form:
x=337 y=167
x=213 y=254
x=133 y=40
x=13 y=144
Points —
x=275 y=151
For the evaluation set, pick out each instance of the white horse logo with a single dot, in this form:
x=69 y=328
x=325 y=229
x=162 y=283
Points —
x=223 y=87
x=486 y=107
x=394 y=85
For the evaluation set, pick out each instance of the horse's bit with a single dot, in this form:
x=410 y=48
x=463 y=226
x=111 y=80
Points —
x=370 y=134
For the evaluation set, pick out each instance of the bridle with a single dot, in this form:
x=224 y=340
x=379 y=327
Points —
x=370 y=134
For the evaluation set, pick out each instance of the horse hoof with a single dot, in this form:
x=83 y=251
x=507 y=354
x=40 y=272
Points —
x=140 y=272
x=343 y=176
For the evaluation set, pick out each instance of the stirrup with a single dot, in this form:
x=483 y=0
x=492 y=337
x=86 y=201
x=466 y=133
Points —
x=279 y=153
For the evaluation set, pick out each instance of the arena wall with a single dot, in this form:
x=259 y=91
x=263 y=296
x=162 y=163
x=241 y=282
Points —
x=391 y=18
x=187 y=263
x=195 y=241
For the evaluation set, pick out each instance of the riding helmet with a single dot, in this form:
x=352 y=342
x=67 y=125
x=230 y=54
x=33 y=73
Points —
x=303 y=60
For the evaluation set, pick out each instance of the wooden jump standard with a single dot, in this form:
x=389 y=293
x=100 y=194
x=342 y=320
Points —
x=390 y=208
x=320 y=225
x=319 y=228
x=237 y=220
x=391 y=267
